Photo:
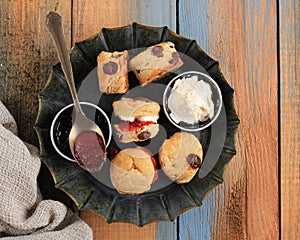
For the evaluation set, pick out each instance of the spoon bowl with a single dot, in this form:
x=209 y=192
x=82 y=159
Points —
x=89 y=151
x=82 y=124
x=62 y=123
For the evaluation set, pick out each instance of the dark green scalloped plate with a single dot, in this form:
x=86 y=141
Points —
x=164 y=204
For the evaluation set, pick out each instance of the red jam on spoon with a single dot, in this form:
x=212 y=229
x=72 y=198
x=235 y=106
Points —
x=90 y=151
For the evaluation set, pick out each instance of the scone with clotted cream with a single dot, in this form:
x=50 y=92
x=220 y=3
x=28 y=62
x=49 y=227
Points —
x=138 y=119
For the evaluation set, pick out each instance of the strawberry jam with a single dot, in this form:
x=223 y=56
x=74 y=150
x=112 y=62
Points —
x=90 y=151
x=135 y=125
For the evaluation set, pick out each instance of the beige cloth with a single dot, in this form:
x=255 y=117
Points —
x=23 y=213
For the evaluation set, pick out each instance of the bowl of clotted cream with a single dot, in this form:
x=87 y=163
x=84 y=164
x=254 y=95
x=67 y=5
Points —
x=192 y=101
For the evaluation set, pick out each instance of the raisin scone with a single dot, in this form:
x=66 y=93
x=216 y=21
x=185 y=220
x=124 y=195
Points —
x=132 y=171
x=180 y=157
x=155 y=62
x=138 y=119
x=112 y=72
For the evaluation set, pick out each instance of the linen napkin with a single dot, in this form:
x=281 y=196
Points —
x=23 y=212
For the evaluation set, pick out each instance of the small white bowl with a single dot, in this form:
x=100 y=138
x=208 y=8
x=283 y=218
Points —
x=62 y=123
x=216 y=98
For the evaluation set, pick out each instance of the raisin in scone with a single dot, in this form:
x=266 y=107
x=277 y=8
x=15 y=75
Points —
x=138 y=119
x=180 y=157
x=155 y=62
x=132 y=171
x=112 y=72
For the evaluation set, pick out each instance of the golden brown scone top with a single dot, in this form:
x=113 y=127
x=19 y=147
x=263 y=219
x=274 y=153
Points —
x=138 y=107
x=132 y=171
x=174 y=154
x=134 y=160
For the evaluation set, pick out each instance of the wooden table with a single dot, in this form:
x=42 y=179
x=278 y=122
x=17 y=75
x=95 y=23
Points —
x=257 y=43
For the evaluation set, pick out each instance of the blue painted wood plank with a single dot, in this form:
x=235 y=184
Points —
x=166 y=230
x=196 y=224
x=193 y=21
x=159 y=13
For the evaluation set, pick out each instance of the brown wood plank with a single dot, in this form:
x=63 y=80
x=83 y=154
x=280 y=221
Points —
x=242 y=37
x=246 y=48
x=89 y=16
x=290 y=113
x=229 y=46
x=27 y=55
x=116 y=231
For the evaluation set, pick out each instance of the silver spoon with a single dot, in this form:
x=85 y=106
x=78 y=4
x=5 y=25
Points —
x=82 y=124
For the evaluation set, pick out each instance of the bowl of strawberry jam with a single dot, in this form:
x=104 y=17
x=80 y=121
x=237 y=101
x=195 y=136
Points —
x=62 y=124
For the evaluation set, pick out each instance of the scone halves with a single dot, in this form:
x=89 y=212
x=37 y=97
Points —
x=112 y=72
x=180 y=157
x=155 y=62
x=132 y=171
x=138 y=119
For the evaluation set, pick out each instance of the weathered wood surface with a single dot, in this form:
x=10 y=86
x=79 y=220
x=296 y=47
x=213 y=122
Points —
x=242 y=36
x=289 y=117
x=26 y=57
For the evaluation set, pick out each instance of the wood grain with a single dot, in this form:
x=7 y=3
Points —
x=116 y=231
x=289 y=118
x=242 y=37
x=27 y=55
x=157 y=13
x=88 y=18
x=261 y=130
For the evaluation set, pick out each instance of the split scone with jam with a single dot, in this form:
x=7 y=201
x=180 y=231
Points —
x=138 y=119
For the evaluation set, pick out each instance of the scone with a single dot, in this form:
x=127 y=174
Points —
x=132 y=171
x=155 y=62
x=180 y=157
x=112 y=72
x=138 y=119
